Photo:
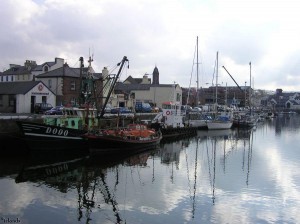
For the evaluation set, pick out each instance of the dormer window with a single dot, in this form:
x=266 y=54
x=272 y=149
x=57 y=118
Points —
x=46 y=68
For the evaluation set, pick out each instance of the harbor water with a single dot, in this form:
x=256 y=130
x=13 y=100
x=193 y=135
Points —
x=224 y=176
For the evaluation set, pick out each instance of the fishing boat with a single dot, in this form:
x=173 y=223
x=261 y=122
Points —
x=42 y=137
x=65 y=131
x=134 y=137
x=171 y=121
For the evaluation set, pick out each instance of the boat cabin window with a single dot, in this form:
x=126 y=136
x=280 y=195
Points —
x=166 y=106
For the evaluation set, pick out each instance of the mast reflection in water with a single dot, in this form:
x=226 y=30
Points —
x=228 y=176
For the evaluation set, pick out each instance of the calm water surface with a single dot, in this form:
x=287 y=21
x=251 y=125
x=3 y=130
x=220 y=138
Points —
x=232 y=176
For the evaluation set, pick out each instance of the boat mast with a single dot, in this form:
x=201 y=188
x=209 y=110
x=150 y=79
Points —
x=197 y=97
x=80 y=81
x=217 y=78
x=250 y=90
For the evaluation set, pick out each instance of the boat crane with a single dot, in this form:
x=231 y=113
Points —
x=234 y=80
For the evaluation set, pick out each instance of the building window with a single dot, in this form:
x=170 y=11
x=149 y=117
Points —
x=46 y=69
x=1 y=100
x=50 y=83
x=177 y=97
x=74 y=101
x=73 y=85
x=11 y=100
x=44 y=99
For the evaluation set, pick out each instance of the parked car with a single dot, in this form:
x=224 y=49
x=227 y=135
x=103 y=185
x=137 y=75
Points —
x=40 y=108
x=58 y=110
x=143 y=107
x=108 y=108
x=121 y=110
x=186 y=108
x=196 y=109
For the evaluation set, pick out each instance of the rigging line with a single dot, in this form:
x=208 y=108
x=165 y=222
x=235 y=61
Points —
x=191 y=74
x=112 y=69
x=122 y=72
x=76 y=63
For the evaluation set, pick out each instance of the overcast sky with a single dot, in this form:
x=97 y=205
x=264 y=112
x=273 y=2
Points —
x=161 y=33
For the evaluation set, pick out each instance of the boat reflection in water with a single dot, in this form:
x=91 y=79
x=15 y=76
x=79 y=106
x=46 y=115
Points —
x=63 y=173
x=218 y=176
x=212 y=150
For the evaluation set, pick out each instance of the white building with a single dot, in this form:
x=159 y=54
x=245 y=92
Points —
x=20 y=97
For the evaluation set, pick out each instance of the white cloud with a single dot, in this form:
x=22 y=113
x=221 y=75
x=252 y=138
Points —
x=161 y=33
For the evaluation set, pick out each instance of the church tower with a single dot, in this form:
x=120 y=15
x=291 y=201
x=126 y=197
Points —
x=155 y=76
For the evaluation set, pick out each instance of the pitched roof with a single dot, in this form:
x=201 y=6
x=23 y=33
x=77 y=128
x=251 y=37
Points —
x=294 y=102
x=17 y=87
x=66 y=71
x=131 y=80
x=17 y=70
x=62 y=71
x=38 y=68
x=129 y=87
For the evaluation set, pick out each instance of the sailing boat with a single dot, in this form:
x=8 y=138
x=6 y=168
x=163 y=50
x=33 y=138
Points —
x=246 y=119
x=223 y=120
x=65 y=132
x=197 y=119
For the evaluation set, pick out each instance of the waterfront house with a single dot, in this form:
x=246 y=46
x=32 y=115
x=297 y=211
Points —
x=20 y=97
x=28 y=71
x=133 y=90
x=65 y=83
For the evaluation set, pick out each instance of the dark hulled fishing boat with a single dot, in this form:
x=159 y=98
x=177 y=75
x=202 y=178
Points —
x=64 y=132
x=135 y=137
